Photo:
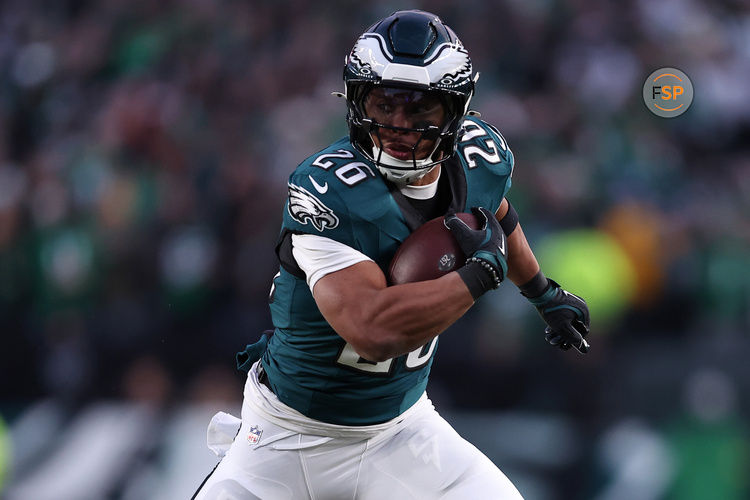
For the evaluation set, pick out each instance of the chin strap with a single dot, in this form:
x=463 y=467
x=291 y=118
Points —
x=404 y=171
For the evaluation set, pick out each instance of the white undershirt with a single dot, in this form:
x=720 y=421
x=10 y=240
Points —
x=422 y=192
x=318 y=256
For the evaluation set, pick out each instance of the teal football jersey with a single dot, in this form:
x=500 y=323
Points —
x=339 y=194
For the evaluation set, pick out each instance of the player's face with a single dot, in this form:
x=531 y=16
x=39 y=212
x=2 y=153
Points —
x=406 y=109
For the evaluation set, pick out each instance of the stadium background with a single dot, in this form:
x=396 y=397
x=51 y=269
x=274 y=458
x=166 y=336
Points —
x=144 y=149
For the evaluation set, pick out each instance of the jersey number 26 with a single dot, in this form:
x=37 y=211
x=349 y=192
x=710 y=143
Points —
x=415 y=360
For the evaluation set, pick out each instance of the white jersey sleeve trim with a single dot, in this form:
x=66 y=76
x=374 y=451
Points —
x=318 y=256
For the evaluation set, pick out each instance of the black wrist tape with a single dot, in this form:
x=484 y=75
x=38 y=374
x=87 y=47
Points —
x=477 y=279
x=535 y=286
x=509 y=221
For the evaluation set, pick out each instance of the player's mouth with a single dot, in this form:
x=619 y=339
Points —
x=399 y=151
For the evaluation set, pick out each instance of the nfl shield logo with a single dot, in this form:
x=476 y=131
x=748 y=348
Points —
x=254 y=435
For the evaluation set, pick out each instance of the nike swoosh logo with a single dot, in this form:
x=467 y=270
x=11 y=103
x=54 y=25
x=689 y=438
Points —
x=321 y=189
x=502 y=246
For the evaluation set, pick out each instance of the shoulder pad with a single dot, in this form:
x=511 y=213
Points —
x=343 y=169
x=340 y=165
x=329 y=159
x=481 y=144
x=332 y=191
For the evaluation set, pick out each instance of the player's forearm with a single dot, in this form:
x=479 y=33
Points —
x=522 y=264
x=402 y=318
x=408 y=316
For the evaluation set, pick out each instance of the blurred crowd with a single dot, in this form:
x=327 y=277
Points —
x=144 y=151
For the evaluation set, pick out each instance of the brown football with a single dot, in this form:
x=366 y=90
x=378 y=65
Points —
x=429 y=252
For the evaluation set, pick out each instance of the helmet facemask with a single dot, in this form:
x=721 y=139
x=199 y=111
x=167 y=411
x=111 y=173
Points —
x=403 y=154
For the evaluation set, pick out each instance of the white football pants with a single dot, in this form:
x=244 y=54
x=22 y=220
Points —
x=280 y=454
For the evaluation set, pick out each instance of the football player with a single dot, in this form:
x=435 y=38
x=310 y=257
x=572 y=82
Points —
x=336 y=407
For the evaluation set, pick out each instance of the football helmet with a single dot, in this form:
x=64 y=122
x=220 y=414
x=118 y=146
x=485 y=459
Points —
x=414 y=52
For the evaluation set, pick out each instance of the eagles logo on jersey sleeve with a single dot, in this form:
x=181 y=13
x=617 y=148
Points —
x=320 y=201
x=337 y=193
x=305 y=207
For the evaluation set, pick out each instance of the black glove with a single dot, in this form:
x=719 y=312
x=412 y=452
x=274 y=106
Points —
x=486 y=250
x=566 y=315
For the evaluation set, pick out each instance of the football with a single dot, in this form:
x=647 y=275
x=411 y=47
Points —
x=429 y=252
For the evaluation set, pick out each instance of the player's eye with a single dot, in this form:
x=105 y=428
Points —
x=426 y=107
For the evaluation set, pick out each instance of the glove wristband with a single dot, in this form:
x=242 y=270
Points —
x=479 y=277
x=536 y=286
x=551 y=292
